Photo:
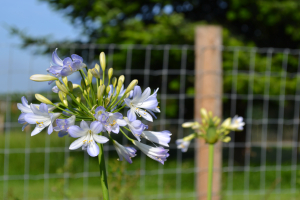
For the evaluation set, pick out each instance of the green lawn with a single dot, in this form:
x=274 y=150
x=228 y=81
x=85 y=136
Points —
x=124 y=179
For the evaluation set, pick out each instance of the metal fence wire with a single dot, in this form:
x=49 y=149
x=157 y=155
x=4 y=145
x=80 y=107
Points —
x=261 y=84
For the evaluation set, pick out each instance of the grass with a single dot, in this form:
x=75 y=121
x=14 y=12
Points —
x=125 y=181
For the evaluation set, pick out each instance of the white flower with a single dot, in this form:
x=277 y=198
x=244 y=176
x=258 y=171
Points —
x=124 y=152
x=162 y=138
x=237 y=123
x=183 y=144
x=41 y=117
x=136 y=127
x=141 y=104
x=87 y=137
x=156 y=153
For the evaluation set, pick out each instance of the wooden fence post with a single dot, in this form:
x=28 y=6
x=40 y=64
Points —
x=208 y=95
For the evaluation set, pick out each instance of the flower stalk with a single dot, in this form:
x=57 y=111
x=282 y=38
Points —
x=103 y=173
x=212 y=132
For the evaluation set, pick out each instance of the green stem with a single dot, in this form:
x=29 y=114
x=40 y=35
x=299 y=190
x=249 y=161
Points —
x=126 y=135
x=210 y=171
x=103 y=175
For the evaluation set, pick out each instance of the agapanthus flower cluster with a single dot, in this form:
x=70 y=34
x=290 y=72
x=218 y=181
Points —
x=91 y=111
x=210 y=129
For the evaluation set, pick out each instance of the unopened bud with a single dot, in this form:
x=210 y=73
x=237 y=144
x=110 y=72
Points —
x=61 y=96
x=102 y=61
x=107 y=89
x=101 y=82
x=95 y=73
x=100 y=92
x=121 y=79
x=114 y=81
x=78 y=99
x=42 y=99
x=65 y=80
x=65 y=102
x=110 y=73
x=90 y=76
x=61 y=87
x=97 y=67
x=203 y=113
x=70 y=86
x=42 y=78
x=131 y=86
x=75 y=86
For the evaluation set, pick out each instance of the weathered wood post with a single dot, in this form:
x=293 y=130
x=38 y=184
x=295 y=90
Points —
x=208 y=89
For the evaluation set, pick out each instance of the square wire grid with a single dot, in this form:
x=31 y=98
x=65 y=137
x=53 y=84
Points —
x=243 y=70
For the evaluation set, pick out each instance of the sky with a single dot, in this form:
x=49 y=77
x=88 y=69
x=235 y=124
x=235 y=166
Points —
x=37 y=19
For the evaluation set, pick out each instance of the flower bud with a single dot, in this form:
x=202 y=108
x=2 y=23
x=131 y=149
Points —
x=188 y=124
x=102 y=60
x=114 y=81
x=42 y=78
x=42 y=99
x=61 y=96
x=70 y=86
x=110 y=73
x=227 y=139
x=121 y=79
x=65 y=80
x=107 y=89
x=97 y=67
x=131 y=86
x=95 y=73
x=101 y=82
x=90 y=76
x=61 y=87
x=65 y=102
x=100 y=92
x=75 y=86
x=203 y=113
x=226 y=124
x=78 y=98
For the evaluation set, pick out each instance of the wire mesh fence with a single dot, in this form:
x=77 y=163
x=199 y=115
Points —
x=260 y=84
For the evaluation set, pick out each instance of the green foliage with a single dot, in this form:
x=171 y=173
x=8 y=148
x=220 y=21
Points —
x=245 y=23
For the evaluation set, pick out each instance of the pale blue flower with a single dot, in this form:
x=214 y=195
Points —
x=88 y=136
x=142 y=104
x=183 y=144
x=65 y=67
x=136 y=127
x=41 y=117
x=63 y=125
x=156 y=153
x=124 y=152
x=25 y=109
x=110 y=121
x=162 y=138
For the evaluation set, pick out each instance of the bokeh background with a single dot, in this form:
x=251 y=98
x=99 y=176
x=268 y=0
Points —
x=153 y=41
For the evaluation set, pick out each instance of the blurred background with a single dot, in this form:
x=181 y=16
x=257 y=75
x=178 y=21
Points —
x=153 y=41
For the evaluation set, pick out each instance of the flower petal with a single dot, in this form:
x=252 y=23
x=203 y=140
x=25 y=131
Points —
x=32 y=118
x=131 y=115
x=93 y=149
x=84 y=125
x=76 y=131
x=55 y=59
x=77 y=143
x=50 y=129
x=96 y=127
x=37 y=130
x=100 y=139
x=76 y=57
x=66 y=71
